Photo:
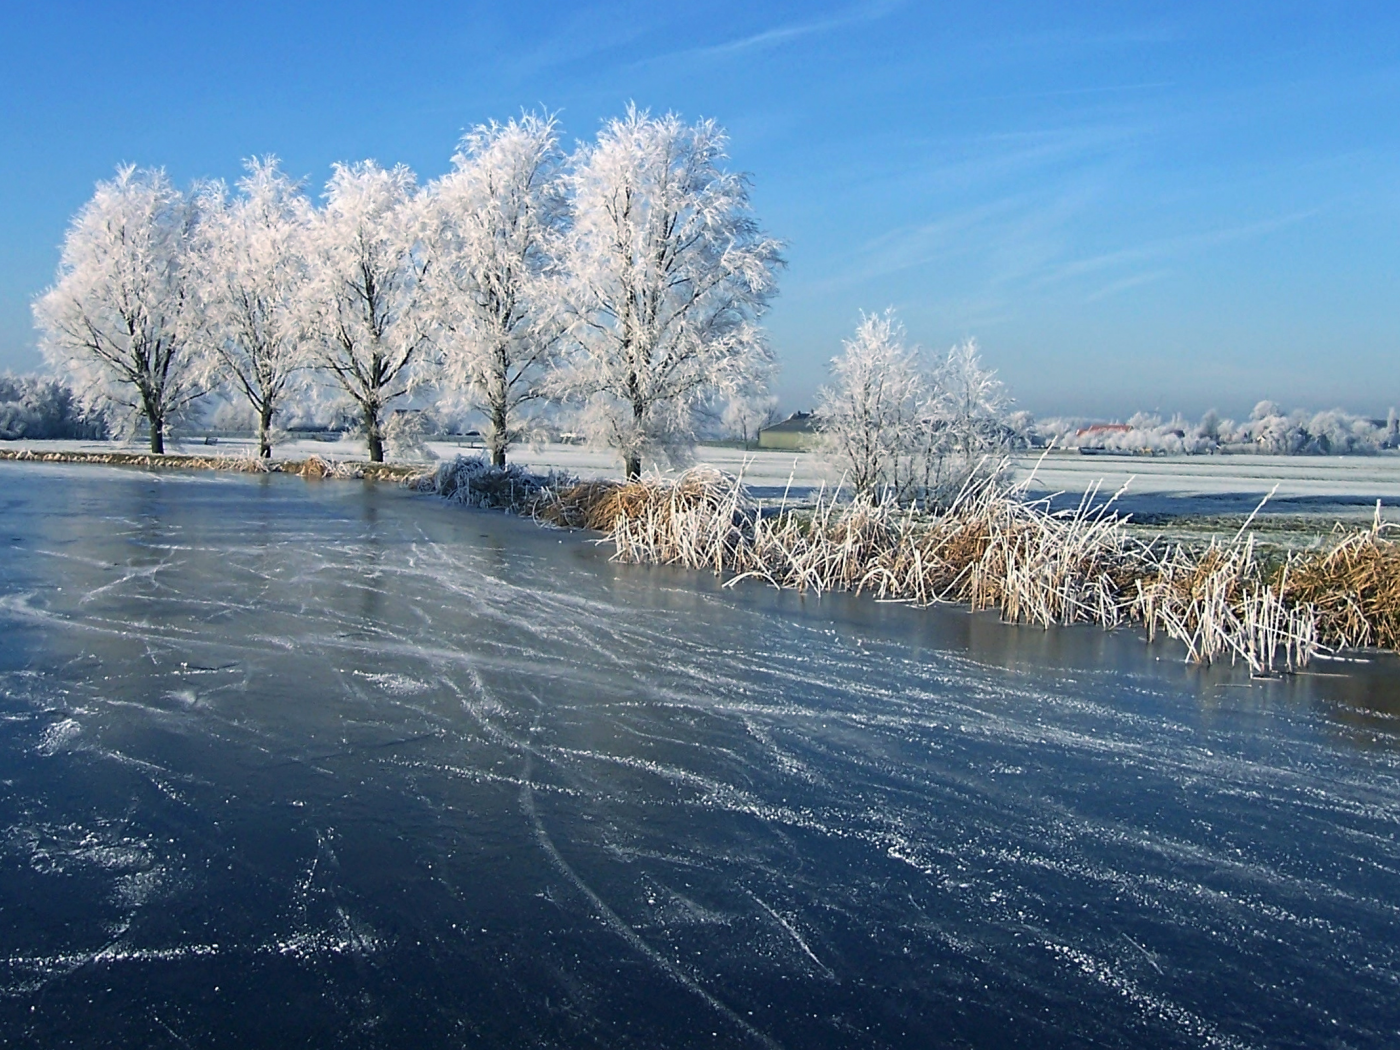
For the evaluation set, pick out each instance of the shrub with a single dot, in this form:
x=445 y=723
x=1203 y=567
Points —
x=44 y=409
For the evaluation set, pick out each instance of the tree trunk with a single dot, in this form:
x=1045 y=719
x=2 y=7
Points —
x=264 y=427
x=497 y=437
x=632 y=461
x=373 y=434
x=157 y=436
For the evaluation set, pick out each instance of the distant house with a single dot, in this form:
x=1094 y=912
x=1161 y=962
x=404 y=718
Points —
x=797 y=433
x=1103 y=428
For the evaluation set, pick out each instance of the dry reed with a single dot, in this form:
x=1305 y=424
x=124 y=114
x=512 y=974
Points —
x=993 y=548
x=1354 y=588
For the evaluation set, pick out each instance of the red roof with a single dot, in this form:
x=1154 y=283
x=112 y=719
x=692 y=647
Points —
x=1103 y=428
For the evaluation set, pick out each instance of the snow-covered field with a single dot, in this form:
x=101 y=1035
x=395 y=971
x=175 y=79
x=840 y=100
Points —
x=1330 y=486
x=1367 y=477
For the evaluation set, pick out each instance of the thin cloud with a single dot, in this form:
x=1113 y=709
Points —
x=1172 y=247
x=859 y=15
x=913 y=246
x=1013 y=238
x=1079 y=92
x=1059 y=42
x=577 y=41
x=1135 y=281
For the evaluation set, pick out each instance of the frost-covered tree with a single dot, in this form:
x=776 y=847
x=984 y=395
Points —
x=1269 y=428
x=1340 y=433
x=963 y=423
x=972 y=401
x=897 y=427
x=1275 y=432
x=116 y=321
x=1210 y=427
x=42 y=408
x=252 y=267
x=365 y=291
x=745 y=415
x=493 y=235
x=869 y=416
x=669 y=274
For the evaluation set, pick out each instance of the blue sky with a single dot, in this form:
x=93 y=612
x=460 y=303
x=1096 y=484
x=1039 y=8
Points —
x=1131 y=206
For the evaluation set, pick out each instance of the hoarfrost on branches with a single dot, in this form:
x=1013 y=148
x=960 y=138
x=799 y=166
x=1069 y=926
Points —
x=964 y=427
x=971 y=400
x=869 y=416
x=40 y=408
x=898 y=428
x=746 y=414
x=669 y=274
x=406 y=433
x=251 y=260
x=494 y=226
x=366 y=291
x=116 y=322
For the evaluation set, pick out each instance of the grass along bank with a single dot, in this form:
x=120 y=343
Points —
x=992 y=548
x=310 y=467
x=1274 y=607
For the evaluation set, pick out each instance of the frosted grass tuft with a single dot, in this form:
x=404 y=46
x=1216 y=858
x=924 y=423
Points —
x=992 y=547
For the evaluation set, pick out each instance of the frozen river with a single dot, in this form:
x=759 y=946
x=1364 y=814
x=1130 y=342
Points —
x=298 y=764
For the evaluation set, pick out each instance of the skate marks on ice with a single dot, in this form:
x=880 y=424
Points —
x=383 y=733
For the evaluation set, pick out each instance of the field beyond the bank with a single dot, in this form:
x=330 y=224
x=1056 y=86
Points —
x=1205 y=495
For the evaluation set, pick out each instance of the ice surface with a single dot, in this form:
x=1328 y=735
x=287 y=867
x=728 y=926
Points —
x=287 y=762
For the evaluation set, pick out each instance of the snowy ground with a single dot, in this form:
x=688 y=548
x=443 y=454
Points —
x=1198 y=486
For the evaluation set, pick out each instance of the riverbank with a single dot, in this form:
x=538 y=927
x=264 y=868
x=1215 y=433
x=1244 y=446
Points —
x=1319 y=489
x=310 y=467
x=996 y=547
x=1276 y=607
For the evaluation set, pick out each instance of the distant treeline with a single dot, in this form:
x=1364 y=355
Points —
x=1269 y=429
x=39 y=408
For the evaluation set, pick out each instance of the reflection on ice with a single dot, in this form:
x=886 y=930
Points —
x=385 y=772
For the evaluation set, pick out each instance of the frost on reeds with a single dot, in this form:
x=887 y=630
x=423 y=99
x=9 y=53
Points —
x=237 y=464
x=318 y=467
x=472 y=481
x=1224 y=599
x=312 y=467
x=991 y=548
x=994 y=548
x=1354 y=588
